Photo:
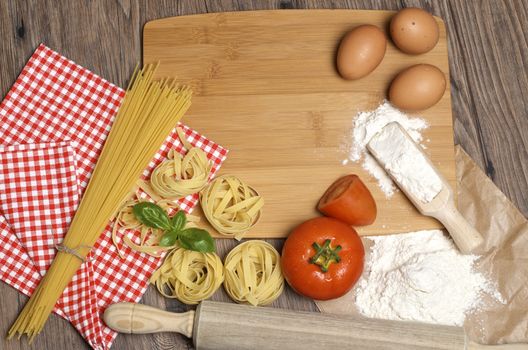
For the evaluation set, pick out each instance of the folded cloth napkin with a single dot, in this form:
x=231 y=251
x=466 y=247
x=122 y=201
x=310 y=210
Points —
x=39 y=194
x=56 y=100
x=57 y=107
x=16 y=268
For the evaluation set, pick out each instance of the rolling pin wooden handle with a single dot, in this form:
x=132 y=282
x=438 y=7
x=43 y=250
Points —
x=465 y=236
x=141 y=319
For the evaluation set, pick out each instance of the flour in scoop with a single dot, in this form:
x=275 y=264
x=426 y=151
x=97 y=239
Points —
x=369 y=123
x=420 y=276
x=406 y=163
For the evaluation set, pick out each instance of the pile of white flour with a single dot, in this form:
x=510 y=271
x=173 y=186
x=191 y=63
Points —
x=366 y=125
x=420 y=276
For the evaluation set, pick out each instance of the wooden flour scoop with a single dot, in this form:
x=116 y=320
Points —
x=231 y=326
x=442 y=206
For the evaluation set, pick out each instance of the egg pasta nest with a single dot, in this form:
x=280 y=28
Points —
x=231 y=206
x=189 y=276
x=253 y=273
x=140 y=237
x=180 y=176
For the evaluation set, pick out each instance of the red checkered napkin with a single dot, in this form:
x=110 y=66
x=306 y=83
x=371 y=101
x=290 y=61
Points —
x=55 y=101
x=39 y=194
x=16 y=268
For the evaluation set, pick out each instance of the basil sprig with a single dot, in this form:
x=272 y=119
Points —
x=152 y=215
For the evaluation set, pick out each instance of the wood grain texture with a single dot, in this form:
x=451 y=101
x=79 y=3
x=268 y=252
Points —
x=218 y=325
x=266 y=87
x=488 y=56
x=269 y=329
x=134 y=318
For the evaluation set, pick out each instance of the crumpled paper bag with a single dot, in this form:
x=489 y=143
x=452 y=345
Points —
x=504 y=258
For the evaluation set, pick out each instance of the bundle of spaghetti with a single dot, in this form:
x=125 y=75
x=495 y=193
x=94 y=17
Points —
x=231 y=206
x=180 y=176
x=148 y=113
x=253 y=273
x=189 y=276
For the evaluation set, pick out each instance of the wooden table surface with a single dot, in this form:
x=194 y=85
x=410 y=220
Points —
x=488 y=53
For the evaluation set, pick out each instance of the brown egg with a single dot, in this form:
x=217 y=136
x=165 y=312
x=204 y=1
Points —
x=361 y=51
x=414 y=31
x=417 y=87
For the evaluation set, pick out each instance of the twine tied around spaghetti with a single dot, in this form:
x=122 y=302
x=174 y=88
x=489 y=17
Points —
x=73 y=251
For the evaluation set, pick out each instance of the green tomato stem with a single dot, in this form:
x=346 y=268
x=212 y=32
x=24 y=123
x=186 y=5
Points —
x=325 y=255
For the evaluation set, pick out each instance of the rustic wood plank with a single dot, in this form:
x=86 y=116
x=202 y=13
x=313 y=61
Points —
x=491 y=65
x=488 y=52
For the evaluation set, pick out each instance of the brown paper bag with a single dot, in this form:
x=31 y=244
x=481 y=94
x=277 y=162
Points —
x=504 y=259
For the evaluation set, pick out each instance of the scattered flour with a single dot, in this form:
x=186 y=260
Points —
x=420 y=276
x=366 y=125
x=406 y=163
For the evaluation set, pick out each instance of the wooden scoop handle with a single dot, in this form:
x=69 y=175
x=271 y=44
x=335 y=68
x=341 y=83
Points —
x=140 y=319
x=465 y=236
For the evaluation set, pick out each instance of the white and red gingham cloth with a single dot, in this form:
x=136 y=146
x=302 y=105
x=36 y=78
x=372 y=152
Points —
x=39 y=194
x=53 y=124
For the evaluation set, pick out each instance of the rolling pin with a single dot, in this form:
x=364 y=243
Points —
x=442 y=207
x=217 y=325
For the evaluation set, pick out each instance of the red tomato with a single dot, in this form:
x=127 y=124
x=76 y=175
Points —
x=322 y=258
x=349 y=200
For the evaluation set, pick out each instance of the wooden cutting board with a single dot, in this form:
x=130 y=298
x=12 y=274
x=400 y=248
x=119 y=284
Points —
x=266 y=87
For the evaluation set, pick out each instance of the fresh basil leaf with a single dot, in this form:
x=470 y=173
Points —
x=178 y=221
x=151 y=215
x=197 y=239
x=169 y=238
x=184 y=244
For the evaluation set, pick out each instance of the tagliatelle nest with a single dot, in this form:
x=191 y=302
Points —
x=126 y=226
x=253 y=273
x=189 y=276
x=231 y=206
x=180 y=176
